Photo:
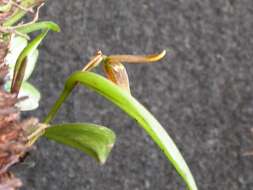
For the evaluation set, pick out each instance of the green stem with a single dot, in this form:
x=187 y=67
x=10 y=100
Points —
x=65 y=93
x=25 y=29
x=63 y=96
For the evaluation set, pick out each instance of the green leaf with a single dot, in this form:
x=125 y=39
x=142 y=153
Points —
x=32 y=58
x=29 y=91
x=38 y=26
x=134 y=109
x=29 y=49
x=94 y=140
x=16 y=47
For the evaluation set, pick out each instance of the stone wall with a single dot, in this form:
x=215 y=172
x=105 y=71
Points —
x=202 y=93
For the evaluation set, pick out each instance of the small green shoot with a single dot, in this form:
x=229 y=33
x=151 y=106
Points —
x=134 y=109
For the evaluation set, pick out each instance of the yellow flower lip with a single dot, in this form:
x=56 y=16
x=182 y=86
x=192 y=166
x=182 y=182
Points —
x=136 y=58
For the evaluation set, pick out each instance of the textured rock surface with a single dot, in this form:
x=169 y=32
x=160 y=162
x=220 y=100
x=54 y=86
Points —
x=203 y=94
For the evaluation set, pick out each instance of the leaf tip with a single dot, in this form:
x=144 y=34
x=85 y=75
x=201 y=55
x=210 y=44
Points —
x=53 y=26
x=57 y=28
x=102 y=159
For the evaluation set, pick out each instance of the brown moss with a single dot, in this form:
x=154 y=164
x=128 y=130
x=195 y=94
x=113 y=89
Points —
x=13 y=135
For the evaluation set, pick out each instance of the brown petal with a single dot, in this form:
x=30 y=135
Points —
x=116 y=72
x=136 y=58
x=94 y=61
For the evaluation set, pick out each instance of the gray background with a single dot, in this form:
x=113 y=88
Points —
x=202 y=93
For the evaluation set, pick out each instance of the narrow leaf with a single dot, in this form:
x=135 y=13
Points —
x=30 y=48
x=38 y=26
x=134 y=109
x=17 y=46
x=94 y=140
x=32 y=58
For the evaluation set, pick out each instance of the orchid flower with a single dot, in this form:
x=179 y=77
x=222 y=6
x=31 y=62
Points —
x=114 y=69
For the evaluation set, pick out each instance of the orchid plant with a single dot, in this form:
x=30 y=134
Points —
x=94 y=140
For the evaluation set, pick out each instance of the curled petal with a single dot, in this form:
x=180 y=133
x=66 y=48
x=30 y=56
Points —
x=136 y=58
x=98 y=58
x=116 y=72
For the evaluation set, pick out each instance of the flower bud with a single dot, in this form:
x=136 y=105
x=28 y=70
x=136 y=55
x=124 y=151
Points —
x=116 y=72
